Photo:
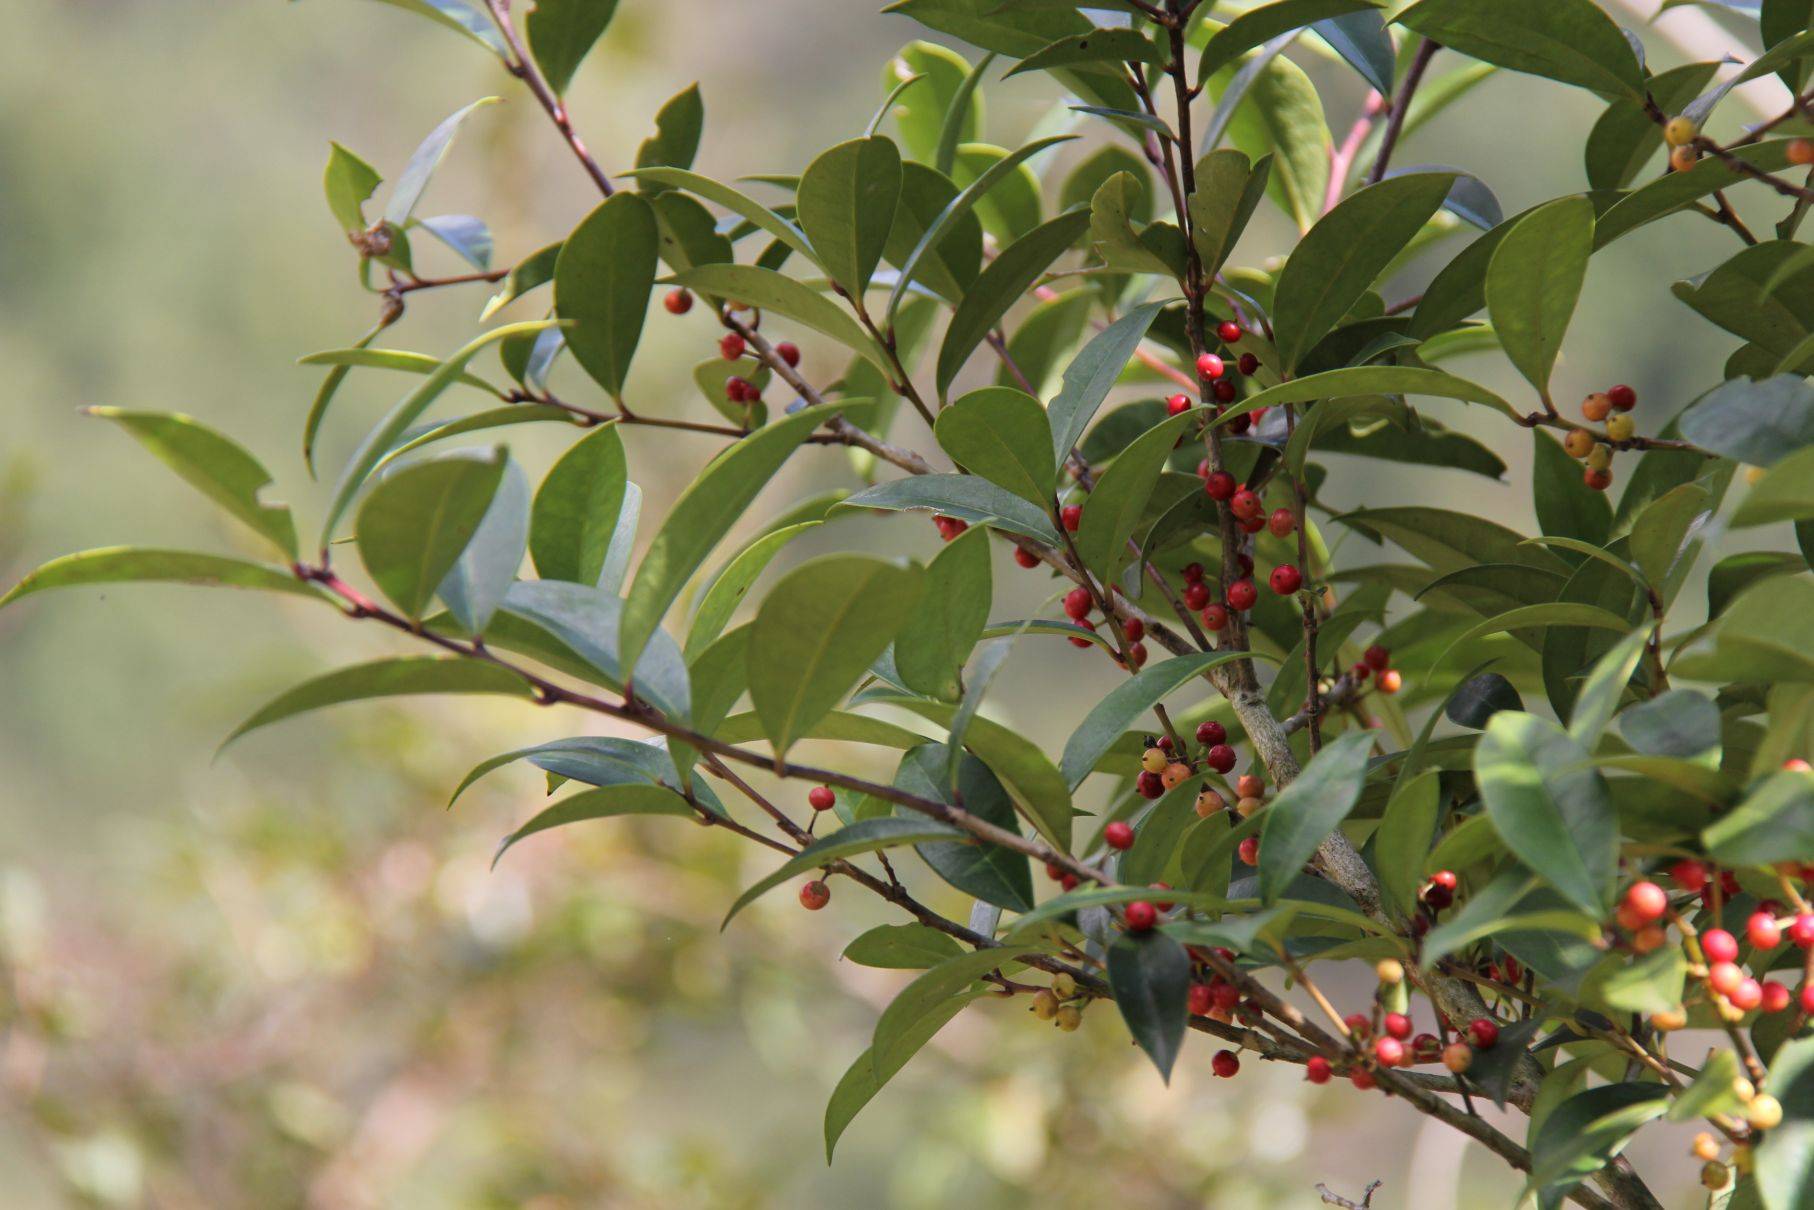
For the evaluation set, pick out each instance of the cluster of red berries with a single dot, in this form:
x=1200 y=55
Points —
x=1613 y=407
x=1078 y=604
x=737 y=389
x=1375 y=664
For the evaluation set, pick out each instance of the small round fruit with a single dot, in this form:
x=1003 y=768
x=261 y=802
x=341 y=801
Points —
x=1649 y=939
x=950 y=527
x=1317 y=1070
x=1226 y=391
x=1242 y=595
x=1620 y=427
x=1078 y=603
x=1245 y=807
x=1764 y=1112
x=1579 y=443
x=1212 y=732
x=1196 y=595
x=1647 y=901
x=1748 y=995
x=1249 y=786
x=1135 y=630
x=731 y=347
x=1680 y=131
x=1719 y=946
x=1228 y=331
x=1396 y=1025
x=1597 y=479
x=1390 y=681
x=1801 y=931
x=1285 y=579
x=1458 y=1057
x=1198 y=1002
x=814 y=895
x=1175 y=775
x=1725 y=977
x=1282 y=522
x=1623 y=398
x=1154 y=760
x=1078 y=641
x=1669 y=1020
x=1072 y=516
x=1225 y=1064
x=1148 y=785
x=1389 y=1051
x=1136 y=654
x=1249 y=850
x=1026 y=558
x=1714 y=1175
x=739 y=390
x=1208 y=803
x=1045 y=1005
x=789 y=352
x=1220 y=485
x=1596 y=407
x=1069 y=1018
x=1141 y=916
x=1215 y=617
x=1777 y=997
x=1177 y=405
x=1249 y=363
x=1689 y=874
x=1705 y=1147
x=1063 y=986
x=821 y=798
x=1683 y=158
x=1220 y=757
x=1377 y=657
x=1484 y=1033
x=1801 y=151
x=1599 y=458
x=1762 y=931
x=1210 y=366
x=1363 y=1079
x=1246 y=505
x=678 y=302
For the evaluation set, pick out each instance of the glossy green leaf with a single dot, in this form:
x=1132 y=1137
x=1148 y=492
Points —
x=902 y=947
x=1339 y=259
x=1037 y=788
x=1573 y=41
x=1117 y=504
x=866 y=1077
x=817 y=631
x=418 y=519
x=1786 y=493
x=1407 y=829
x=931 y=649
x=1353 y=381
x=969 y=498
x=1271 y=107
x=989 y=872
x=1149 y=974
x=349 y=183
x=930 y=992
x=561 y=32
x=1114 y=239
x=360 y=356
x=214 y=465
x=403 y=676
x=1651 y=984
x=734 y=200
x=577 y=507
x=949 y=266
x=847 y=200
x=427 y=157
x=1000 y=286
x=1626 y=137
x=1260 y=25
x=1669 y=193
x=733 y=582
x=585 y=622
x=1229 y=189
x=475 y=586
x=1774 y=823
x=1305 y=812
x=679 y=123
x=784 y=295
x=1534 y=282
x=1109 y=48
x=605 y=802
x=602 y=282
x=1003 y=435
x=468 y=17
x=1093 y=373
x=1604 y=687
x=1126 y=703
x=134 y=564
x=1552 y=811
x=1583 y=1133
x=867 y=836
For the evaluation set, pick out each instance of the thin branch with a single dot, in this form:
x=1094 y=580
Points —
x=1401 y=105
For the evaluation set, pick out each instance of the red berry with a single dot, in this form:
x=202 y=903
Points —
x=1245 y=504
x=1228 y=331
x=1225 y=996
x=1719 y=946
x=1068 y=882
x=1203 y=468
x=1136 y=654
x=1801 y=931
x=1210 y=366
x=1165 y=743
x=678 y=302
x=1359 y=1024
x=1072 y=516
x=1378 y=658
x=1242 y=594
x=1390 y=681
x=1776 y=997
x=1285 y=579
x=1724 y=977
x=1396 y=1025
x=1149 y=785
x=1362 y=1079
x=731 y=347
x=1747 y=995
x=1215 y=617
x=1080 y=641
x=1249 y=850
x=1026 y=558
x=1689 y=875
x=1597 y=479
x=1762 y=932
x=950 y=527
x=789 y=352
x=1078 y=602
x=1282 y=522
x=1220 y=485
x=814 y=895
x=1119 y=835
x=1389 y=1051
x=1226 y=391
x=1141 y=916
x=1200 y=1002
x=1316 y=1069
x=1196 y=595
x=1438 y=897
x=1177 y=404
x=1623 y=397
x=1220 y=757
x=821 y=798
x=1225 y=1064
x=1445 y=879
x=739 y=390
x=1646 y=901
x=1054 y=871
x=1483 y=1033
x=1248 y=364
x=1135 y=630
x=1212 y=733
x=1193 y=572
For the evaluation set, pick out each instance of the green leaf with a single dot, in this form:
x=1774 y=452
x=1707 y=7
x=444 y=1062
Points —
x=1124 y=705
x=1566 y=506
x=678 y=126
x=1774 y=823
x=1550 y=808
x=1514 y=902
x=1002 y=434
x=865 y=1078
x=383 y=438
x=847 y=199
x=560 y=34
x=1000 y=286
x=1271 y=106
x=1786 y=493
x=704 y=513
x=1765 y=635
x=474 y=588
x=1362 y=41
x=1150 y=976
x=602 y=281
x=865 y=836
x=902 y=947
x=932 y=647
x=422 y=164
x=1305 y=812
x=1450 y=541
x=1572 y=41
x=969 y=498
x=417 y=520
x=1114 y=239
x=1534 y=282
x=895 y=1029
x=1625 y=138
x=1680 y=723
x=783 y=295
x=577 y=507
x=390 y=359
x=1407 y=829
x=1097 y=47
x=1038 y=789
x=1735 y=573
x=731 y=199
x=604 y=802
x=990 y=872
x=1584 y=1133
x=1339 y=259
x=1159 y=835
x=1785 y=1158
x=1651 y=984
x=463 y=16
x=1260 y=25
x=949 y=266
x=1091 y=375
x=219 y=468
x=732 y=584
x=1229 y=189
x=132 y=564
x=1671 y=192
x=818 y=630
x=403 y=676
x=1605 y=685
x=584 y=622
x=1117 y=504
x=349 y=183
x=1356 y=381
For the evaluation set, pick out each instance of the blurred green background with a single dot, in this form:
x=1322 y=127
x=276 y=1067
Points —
x=286 y=977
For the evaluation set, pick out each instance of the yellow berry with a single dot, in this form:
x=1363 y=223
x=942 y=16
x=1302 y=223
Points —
x=1063 y=986
x=1247 y=806
x=1714 y=1175
x=1597 y=406
x=1682 y=159
x=1045 y=1005
x=1764 y=1112
x=1620 y=427
x=1669 y=1020
x=1069 y=1018
x=1175 y=775
x=1600 y=457
x=1154 y=760
x=1209 y=802
x=1753 y=474
x=1390 y=970
x=1743 y=1089
x=1706 y=1147
x=1679 y=132
x=1578 y=443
